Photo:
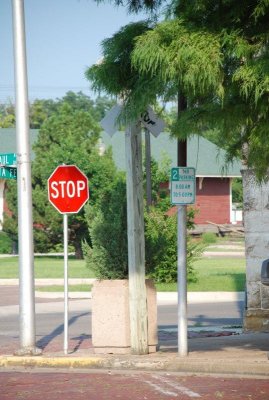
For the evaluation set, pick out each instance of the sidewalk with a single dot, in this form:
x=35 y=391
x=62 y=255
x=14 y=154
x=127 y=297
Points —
x=209 y=353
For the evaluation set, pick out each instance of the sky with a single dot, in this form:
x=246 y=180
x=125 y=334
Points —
x=63 y=38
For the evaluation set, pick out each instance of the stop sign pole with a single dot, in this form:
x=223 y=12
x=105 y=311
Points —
x=68 y=192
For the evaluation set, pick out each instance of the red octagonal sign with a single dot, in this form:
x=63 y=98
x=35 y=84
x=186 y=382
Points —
x=68 y=189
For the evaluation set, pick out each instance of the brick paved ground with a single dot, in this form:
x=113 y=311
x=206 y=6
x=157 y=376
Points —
x=111 y=385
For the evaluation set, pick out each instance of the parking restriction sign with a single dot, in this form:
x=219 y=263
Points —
x=183 y=185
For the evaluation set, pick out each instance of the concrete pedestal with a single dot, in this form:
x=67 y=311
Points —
x=111 y=318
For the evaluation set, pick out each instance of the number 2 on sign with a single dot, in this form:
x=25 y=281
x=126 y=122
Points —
x=175 y=176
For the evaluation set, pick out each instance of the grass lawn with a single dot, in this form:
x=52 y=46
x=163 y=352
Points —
x=219 y=274
x=59 y=288
x=46 y=267
x=214 y=274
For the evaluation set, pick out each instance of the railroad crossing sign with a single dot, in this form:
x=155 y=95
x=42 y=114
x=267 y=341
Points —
x=183 y=185
x=68 y=189
x=148 y=119
x=151 y=122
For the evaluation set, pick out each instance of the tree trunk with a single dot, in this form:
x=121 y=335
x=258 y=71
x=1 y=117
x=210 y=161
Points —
x=78 y=250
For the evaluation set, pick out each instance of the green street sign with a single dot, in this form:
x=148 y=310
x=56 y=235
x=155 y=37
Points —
x=8 y=159
x=8 y=173
x=183 y=185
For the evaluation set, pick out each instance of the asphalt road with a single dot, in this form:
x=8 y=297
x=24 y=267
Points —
x=49 y=315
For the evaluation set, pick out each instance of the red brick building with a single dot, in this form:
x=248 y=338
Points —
x=214 y=175
x=213 y=200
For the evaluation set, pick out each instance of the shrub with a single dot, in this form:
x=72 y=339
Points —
x=161 y=248
x=108 y=253
x=5 y=244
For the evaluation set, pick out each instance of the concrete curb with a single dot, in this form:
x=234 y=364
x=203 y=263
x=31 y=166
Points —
x=145 y=363
x=230 y=254
x=162 y=297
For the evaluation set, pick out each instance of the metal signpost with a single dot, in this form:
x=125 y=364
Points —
x=24 y=186
x=183 y=188
x=68 y=192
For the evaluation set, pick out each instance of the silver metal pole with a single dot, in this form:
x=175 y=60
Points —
x=25 y=221
x=182 y=281
x=148 y=168
x=65 y=221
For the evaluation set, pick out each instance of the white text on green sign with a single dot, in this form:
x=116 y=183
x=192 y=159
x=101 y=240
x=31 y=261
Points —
x=8 y=173
x=183 y=185
x=8 y=159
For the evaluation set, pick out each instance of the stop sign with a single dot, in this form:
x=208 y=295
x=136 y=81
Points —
x=68 y=189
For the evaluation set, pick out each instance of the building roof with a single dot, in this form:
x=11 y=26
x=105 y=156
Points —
x=208 y=159
x=8 y=140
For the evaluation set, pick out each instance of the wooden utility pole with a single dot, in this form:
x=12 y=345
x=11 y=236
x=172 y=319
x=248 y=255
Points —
x=136 y=242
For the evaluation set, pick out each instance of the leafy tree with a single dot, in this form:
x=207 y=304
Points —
x=227 y=85
x=215 y=54
x=42 y=109
x=39 y=111
x=67 y=136
x=116 y=76
x=7 y=115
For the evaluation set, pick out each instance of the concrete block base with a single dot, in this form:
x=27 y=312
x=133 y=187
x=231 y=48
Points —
x=111 y=317
x=256 y=320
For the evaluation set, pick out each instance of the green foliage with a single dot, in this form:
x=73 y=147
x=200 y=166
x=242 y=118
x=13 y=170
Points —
x=237 y=191
x=182 y=56
x=108 y=254
x=137 y=5
x=115 y=75
x=161 y=248
x=68 y=135
x=7 y=115
x=5 y=244
x=10 y=225
x=159 y=175
x=41 y=109
x=216 y=55
x=209 y=238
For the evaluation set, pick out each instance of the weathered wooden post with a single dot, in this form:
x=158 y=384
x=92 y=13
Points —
x=136 y=241
x=135 y=218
